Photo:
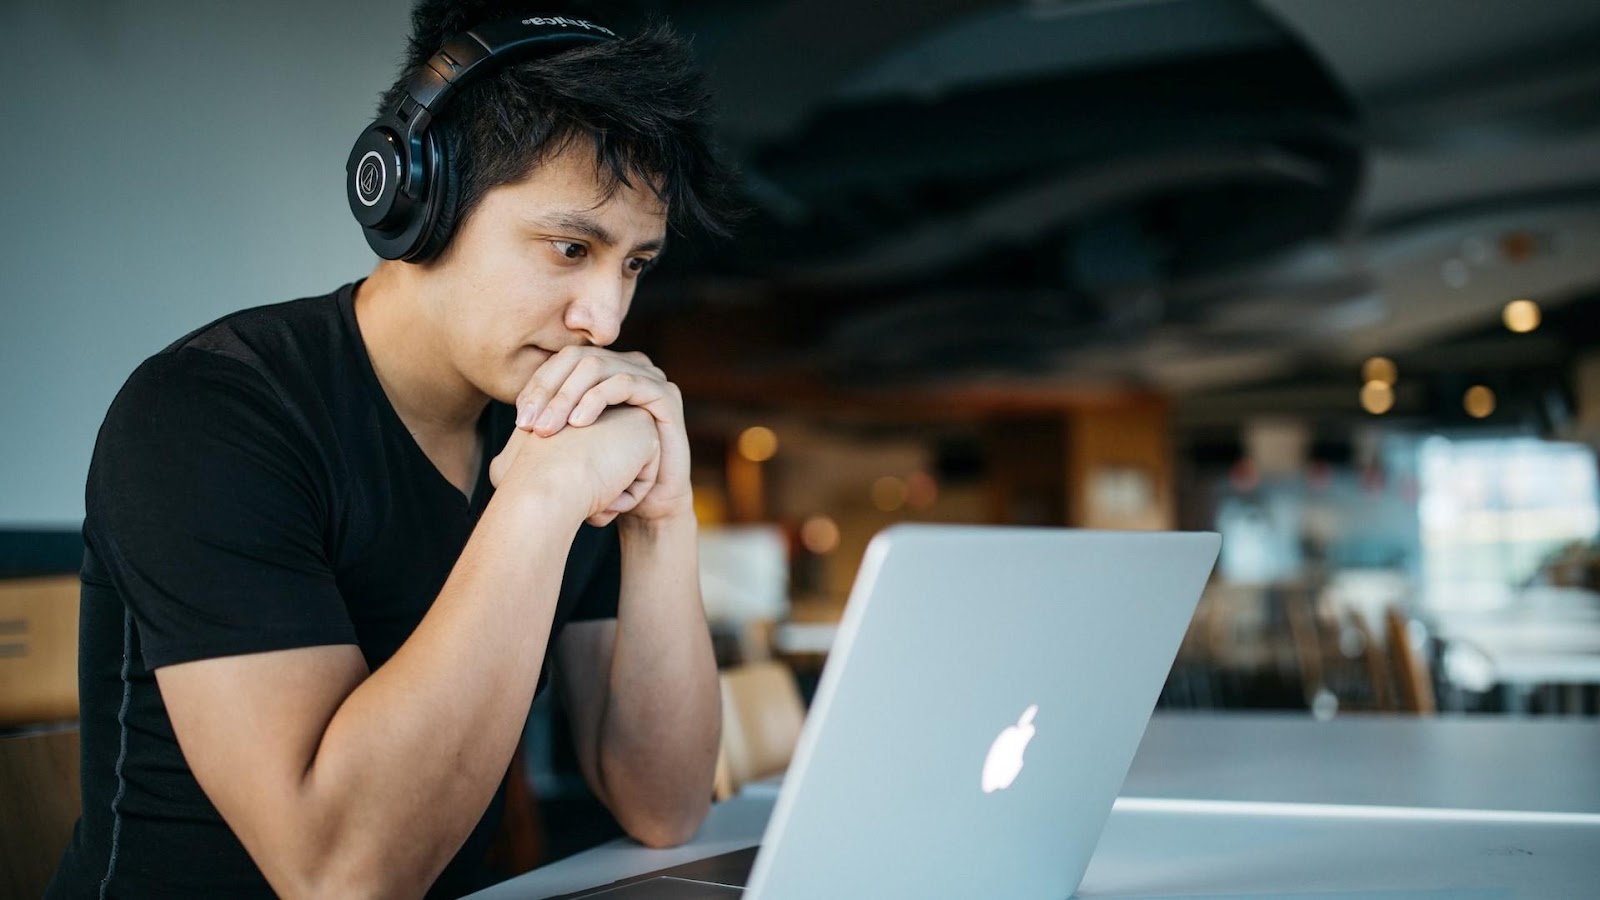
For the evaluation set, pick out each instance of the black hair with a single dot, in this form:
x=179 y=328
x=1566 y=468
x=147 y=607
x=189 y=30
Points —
x=640 y=101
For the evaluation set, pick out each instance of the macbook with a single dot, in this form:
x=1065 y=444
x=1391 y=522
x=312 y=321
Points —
x=976 y=717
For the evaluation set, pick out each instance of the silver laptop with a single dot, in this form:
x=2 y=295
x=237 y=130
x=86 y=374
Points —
x=975 y=720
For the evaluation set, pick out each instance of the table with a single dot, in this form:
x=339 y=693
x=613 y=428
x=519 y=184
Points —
x=1247 y=805
x=1444 y=762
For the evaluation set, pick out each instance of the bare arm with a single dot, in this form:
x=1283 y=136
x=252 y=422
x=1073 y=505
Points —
x=348 y=784
x=643 y=690
x=644 y=694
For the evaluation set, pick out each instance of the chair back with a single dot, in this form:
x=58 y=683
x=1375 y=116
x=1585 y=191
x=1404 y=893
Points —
x=1412 y=675
x=761 y=718
x=38 y=650
x=39 y=781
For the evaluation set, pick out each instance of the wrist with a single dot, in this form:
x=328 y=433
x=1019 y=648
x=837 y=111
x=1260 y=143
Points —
x=677 y=523
x=546 y=496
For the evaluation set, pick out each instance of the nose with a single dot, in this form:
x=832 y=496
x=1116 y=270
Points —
x=598 y=312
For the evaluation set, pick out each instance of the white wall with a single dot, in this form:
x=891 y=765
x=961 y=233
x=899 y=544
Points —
x=163 y=163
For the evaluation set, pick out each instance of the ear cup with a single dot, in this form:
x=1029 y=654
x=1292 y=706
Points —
x=372 y=178
x=388 y=185
x=443 y=196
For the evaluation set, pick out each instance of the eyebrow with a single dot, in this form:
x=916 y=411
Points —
x=585 y=226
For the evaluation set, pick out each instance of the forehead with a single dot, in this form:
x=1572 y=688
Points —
x=570 y=182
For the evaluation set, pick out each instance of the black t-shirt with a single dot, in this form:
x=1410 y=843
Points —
x=252 y=489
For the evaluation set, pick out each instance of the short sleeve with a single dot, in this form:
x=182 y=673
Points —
x=600 y=594
x=203 y=504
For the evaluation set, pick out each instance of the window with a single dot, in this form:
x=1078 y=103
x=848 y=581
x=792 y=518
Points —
x=1492 y=509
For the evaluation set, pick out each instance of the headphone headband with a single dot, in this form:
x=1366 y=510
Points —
x=394 y=172
x=492 y=46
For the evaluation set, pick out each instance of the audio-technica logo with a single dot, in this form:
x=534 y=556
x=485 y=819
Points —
x=370 y=178
x=572 y=23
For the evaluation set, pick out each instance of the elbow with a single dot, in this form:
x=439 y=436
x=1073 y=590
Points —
x=355 y=875
x=352 y=885
x=665 y=831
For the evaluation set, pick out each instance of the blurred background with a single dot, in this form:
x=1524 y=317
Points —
x=1322 y=276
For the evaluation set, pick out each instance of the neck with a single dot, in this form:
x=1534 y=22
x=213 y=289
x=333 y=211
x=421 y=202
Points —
x=412 y=365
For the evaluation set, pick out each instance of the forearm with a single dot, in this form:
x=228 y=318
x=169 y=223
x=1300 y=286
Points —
x=414 y=755
x=659 y=736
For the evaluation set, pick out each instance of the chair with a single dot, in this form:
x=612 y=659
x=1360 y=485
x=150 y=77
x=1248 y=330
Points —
x=38 y=650
x=1410 y=665
x=39 y=789
x=761 y=718
x=39 y=784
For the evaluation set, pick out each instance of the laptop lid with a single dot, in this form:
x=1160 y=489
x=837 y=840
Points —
x=979 y=711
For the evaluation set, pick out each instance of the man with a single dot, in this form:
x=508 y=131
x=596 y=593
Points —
x=334 y=546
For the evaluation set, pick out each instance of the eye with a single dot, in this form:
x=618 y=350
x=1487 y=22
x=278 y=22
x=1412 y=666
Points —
x=570 y=249
x=639 y=265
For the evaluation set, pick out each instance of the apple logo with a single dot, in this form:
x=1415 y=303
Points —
x=1005 y=755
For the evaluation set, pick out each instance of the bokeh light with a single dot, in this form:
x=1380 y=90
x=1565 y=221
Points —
x=1521 y=316
x=820 y=535
x=1377 y=397
x=1479 y=402
x=889 y=493
x=758 y=443
x=1379 y=368
x=922 y=491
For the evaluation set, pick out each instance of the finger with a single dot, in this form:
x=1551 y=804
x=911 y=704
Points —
x=618 y=382
x=636 y=492
x=626 y=500
x=546 y=380
x=601 y=519
x=573 y=370
x=621 y=389
x=643 y=362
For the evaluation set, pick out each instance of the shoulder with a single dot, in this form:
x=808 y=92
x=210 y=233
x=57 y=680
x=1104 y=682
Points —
x=296 y=334
x=254 y=359
x=239 y=383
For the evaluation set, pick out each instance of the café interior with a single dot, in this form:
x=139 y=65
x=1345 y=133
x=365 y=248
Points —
x=1319 y=277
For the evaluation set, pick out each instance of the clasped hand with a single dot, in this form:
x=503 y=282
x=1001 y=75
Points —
x=637 y=455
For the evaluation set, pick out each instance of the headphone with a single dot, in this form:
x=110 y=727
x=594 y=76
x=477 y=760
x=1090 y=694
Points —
x=399 y=178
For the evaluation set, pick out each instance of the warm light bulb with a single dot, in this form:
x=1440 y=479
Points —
x=820 y=535
x=1479 y=402
x=889 y=493
x=758 y=443
x=1377 y=397
x=1379 y=368
x=1521 y=316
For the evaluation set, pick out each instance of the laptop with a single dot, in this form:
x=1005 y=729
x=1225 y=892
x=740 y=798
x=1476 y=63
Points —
x=975 y=720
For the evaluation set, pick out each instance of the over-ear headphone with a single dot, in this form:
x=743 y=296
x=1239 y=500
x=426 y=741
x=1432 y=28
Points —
x=399 y=178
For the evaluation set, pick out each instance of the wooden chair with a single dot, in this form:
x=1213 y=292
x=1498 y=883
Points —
x=761 y=717
x=39 y=789
x=1412 y=675
x=519 y=846
x=38 y=650
x=41 y=801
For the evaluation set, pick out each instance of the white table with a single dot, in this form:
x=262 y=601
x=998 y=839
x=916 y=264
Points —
x=1235 y=806
x=1444 y=762
x=1549 y=645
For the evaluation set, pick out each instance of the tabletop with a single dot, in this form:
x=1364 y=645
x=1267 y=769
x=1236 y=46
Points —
x=1241 y=805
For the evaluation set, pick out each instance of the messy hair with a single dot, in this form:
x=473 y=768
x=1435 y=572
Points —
x=640 y=102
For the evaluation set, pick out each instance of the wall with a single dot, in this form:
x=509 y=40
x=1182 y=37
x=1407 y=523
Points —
x=166 y=163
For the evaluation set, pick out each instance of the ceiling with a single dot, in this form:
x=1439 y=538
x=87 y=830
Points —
x=1217 y=199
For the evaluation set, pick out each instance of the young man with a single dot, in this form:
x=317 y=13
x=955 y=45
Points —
x=335 y=545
